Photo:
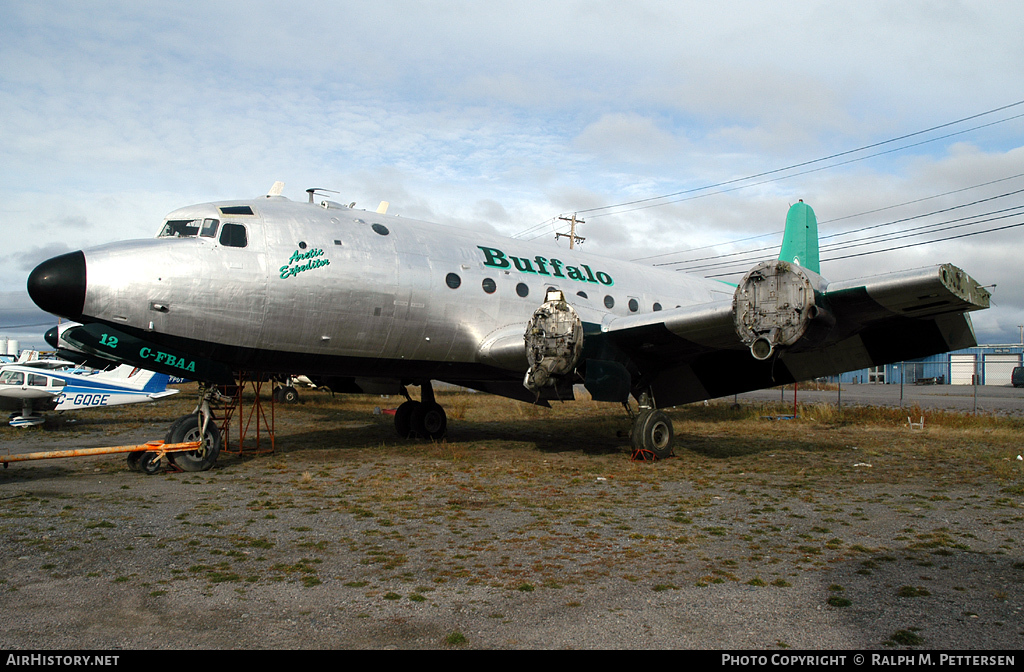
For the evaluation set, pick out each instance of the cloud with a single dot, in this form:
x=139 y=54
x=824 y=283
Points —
x=31 y=257
x=501 y=116
x=629 y=138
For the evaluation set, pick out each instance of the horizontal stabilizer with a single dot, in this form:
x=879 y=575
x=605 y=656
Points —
x=161 y=395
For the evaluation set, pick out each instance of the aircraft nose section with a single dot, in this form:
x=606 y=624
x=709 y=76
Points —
x=58 y=285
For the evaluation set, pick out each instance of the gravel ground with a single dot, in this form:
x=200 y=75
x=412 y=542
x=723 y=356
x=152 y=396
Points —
x=498 y=546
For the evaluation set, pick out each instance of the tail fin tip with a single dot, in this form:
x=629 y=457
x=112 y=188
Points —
x=800 y=241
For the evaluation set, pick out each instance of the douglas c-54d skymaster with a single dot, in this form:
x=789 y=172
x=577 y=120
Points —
x=376 y=303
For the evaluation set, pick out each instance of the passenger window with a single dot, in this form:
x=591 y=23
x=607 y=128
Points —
x=36 y=380
x=233 y=235
x=609 y=302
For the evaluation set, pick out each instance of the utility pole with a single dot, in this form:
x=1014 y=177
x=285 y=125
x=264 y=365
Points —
x=572 y=230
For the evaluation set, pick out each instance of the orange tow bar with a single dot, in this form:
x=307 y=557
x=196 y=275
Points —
x=158 y=447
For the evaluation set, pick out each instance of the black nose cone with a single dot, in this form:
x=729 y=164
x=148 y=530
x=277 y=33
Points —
x=58 y=285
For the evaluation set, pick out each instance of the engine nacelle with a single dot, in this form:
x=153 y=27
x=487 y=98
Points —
x=554 y=342
x=776 y=305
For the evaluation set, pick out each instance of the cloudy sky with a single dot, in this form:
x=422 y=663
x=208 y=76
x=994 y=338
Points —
x=503 y=115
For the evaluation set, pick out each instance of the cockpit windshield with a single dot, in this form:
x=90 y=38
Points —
x=189 y=228
x=12 y=378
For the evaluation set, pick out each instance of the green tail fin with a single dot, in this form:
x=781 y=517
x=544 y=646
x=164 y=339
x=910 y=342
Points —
x=800 y=242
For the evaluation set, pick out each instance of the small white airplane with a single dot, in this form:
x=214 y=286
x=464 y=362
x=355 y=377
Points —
x=364 y=301
x=34 y=359
x=25 y=387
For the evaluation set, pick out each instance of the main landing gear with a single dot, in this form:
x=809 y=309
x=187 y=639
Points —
x=423 y=419
x=652 y=435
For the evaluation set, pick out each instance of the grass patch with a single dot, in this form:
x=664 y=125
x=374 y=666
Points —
x=455 y=639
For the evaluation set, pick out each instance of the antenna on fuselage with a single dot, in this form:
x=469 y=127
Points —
x=316 y=190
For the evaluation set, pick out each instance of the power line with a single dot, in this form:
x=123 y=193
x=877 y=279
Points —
x=911 y=232
x=786 y=177
x=844 y=245
x=832 y=156
x=928 y=242
x=834 y=219
x=908 y=245
x=919 y=200
x=649 y=200
x=838 y=247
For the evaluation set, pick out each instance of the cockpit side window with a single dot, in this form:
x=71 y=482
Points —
x=189 y=228
x=12 y=378
x=209 y=229
x=233 y=235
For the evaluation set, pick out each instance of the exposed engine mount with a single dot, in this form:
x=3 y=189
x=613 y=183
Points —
x=554 y=341
x=775 y=305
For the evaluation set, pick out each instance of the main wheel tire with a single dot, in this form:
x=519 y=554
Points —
x=403 y=419
x=289 y=395
x=429 y=421
x=187 y=429
x=652 y=432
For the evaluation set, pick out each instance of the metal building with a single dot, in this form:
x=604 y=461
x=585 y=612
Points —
x=982 y=365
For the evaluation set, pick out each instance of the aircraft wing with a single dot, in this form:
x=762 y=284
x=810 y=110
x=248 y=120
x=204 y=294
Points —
x=712 y=350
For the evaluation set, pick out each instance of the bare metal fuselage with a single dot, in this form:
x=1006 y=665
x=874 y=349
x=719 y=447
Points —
x=337 y=291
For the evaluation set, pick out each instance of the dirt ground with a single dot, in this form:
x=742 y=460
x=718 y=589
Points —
x=526 y=528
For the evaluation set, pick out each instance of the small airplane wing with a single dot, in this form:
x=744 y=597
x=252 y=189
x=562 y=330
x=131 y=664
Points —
x=784 y=324
x=160 y=395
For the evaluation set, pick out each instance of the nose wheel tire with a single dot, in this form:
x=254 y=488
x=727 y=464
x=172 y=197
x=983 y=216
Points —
x=186 y=429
